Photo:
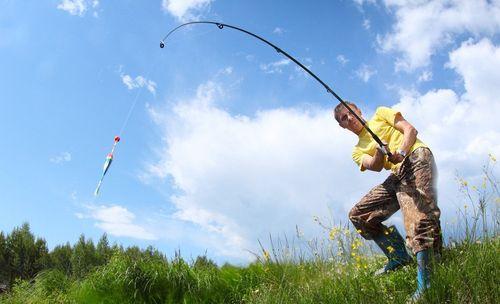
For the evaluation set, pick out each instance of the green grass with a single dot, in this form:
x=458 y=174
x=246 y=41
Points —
x=468 y=273
x=337 y=270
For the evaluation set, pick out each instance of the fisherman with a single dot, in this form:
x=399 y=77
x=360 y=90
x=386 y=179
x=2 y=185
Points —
x=410 y=187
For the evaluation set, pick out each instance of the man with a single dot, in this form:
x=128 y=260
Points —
x=410 y=187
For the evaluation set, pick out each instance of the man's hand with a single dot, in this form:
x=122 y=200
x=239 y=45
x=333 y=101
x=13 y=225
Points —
x=396 y=158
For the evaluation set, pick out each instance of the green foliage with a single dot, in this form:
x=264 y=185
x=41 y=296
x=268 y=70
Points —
x=83 y=257
x=468 y=273
x=25 y=256
x=338 y=270
x=103 y=251
x=4 y=270
x=61 y=258
x=48 y=287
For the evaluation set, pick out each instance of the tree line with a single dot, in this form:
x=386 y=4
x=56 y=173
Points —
x=22 y=255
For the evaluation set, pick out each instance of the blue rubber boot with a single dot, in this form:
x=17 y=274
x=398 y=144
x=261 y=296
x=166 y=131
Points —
x=393 y=246
x=423 y=275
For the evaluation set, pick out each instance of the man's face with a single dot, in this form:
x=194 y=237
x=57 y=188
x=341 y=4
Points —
x=348 y=121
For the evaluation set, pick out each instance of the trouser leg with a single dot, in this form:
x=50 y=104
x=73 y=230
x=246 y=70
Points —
x=374 y=208
x=417 y=197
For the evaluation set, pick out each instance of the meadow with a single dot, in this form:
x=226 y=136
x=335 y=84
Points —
x=336 y=269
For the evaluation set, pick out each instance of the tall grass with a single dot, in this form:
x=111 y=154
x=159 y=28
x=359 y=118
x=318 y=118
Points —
x=337 y=269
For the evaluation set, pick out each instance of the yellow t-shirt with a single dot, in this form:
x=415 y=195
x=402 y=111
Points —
x=382 y=124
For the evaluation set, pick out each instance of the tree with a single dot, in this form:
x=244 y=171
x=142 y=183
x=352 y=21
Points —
x=4 y=273
x=83 y=257
x=25 y=256
x=42 y=258
x=203 y=262
x=103 y=252
x=61 y=258
x=134 y=252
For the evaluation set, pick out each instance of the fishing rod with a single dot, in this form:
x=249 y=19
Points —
x=280 y=51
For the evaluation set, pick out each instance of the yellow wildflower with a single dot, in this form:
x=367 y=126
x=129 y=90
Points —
x=356 y=244
x=333 y=233
x=492 y=157
x=266 y=255
x=390 y=249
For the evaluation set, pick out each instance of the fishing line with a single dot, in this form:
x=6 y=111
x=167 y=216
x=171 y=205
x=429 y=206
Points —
x=110 y=156
x=136 y=98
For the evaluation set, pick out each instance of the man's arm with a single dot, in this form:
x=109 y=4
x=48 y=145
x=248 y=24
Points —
x=409 y=138
x=409 y=132
x=375 y=162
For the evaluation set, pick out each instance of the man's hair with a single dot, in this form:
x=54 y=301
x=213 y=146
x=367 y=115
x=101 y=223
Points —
x=339 y=107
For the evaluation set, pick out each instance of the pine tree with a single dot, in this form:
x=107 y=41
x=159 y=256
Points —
x=103 y=251
x=83 y=258
x=25 y=256
x=61 y=258
x=4 y=273
x=41 y=258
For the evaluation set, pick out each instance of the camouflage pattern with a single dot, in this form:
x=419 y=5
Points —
x=411 y=189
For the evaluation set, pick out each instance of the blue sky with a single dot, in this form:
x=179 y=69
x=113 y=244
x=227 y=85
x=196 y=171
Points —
x=228 y=141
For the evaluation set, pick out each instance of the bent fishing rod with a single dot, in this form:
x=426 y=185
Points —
x=280 y=51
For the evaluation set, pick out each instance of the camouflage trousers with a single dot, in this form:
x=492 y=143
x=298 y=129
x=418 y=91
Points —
x=411 y=189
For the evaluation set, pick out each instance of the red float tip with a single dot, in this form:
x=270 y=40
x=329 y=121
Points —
x=117 y=138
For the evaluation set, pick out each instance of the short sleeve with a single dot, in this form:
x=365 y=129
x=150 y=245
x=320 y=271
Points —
x=387 y=114
x=357 y=156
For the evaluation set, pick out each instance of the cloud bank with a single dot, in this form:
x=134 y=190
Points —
x=424 y=27
x=241 y=178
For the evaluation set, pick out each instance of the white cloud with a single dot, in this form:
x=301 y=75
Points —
x=278 y=30
x=425 y=76
x=138 y=82
x=184 y=10
x=78 y=7
x=365 y=72
x=274 y=67
x=479 y=65
x=361 y=2
x=225 y=71
x=250 y=58
x=366 y=24
x=461 y=130
x=423 y=27
x=342 y=59
x=241 y=178
x=63 y=157
x=117 y=221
